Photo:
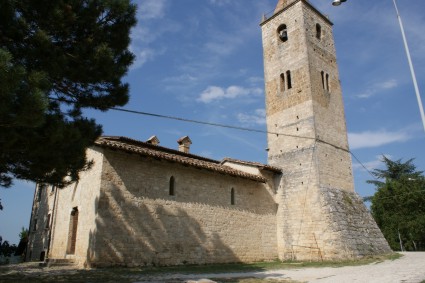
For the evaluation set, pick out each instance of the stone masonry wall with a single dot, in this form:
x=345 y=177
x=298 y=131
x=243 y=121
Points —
x=40 y=222
x=319 y=216
x=140 y=223
x=357 y=231
x=84 y=196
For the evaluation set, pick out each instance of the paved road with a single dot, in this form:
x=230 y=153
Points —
x=409 y=269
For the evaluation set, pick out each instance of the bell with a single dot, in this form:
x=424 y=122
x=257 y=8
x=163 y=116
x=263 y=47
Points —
x=338 y=2
x=283 y=34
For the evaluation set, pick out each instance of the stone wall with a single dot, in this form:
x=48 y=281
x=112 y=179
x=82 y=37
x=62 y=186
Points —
x=308 y=140
x=140 y=223
x=84 y=196
x=40 y=222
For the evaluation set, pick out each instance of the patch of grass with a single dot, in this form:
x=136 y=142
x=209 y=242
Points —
x=261 y=266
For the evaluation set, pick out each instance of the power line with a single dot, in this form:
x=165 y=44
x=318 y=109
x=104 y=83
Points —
x=365 y=168
x=227 y=127
x=208 y=123
x=239 y=128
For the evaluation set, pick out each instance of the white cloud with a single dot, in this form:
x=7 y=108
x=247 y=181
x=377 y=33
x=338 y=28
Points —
x=142 y=56
x=223 y=44
x=214 y=93
x=258 y=118
x=185 y=78
x=150 y=9
x=256 y=80
x=374 y=139
x=378 y=87
x=220 y=2
x=147 y=31
x=371 y=165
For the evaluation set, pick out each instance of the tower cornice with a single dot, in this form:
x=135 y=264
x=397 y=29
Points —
x=292 y=4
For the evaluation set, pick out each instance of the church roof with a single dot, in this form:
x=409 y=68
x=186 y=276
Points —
x=260 y=166
x=150 y=150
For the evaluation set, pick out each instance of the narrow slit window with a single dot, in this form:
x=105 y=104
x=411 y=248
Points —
x=318 y=31
x=48 y=221
x=39 y=192
x=288 y=79
x=323 y=79
x=171 y=191
x=282 y=83
x=327 y=82
x=232 y=196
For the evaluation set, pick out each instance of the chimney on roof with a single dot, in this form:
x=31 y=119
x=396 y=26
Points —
x=184 y=144
x=153 y=140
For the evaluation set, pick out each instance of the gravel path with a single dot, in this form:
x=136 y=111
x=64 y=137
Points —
x=410 y=269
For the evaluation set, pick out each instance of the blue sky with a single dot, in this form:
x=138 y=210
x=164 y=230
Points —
x=202 y=60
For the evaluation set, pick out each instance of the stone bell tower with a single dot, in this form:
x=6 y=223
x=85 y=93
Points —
x=319 y=214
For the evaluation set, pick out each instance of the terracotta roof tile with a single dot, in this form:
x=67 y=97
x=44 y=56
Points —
x=146 y=149
x=255 y=164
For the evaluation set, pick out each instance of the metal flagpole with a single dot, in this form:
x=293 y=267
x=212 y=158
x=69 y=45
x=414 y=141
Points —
x=418 y=96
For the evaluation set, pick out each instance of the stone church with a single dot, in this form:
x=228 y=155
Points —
x=144 y=204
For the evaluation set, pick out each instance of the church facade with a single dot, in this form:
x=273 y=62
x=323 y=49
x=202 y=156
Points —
x=144 y=204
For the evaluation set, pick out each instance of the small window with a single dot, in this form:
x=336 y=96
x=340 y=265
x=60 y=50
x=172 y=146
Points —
x=323 y=79
x=282 y=83
x=171 y=191
x=39 y=192
x=232 y=196
x=282 y=31
x=327 y=82
x=318 y=31
x=48 y=221
x=72 y=231
x=35 y=224
x=288 y=79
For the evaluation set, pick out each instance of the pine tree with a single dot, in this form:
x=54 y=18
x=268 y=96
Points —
x=57 y=58
x=398 y=205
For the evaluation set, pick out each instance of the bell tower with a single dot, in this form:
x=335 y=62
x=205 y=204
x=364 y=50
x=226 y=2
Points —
x=307 y=138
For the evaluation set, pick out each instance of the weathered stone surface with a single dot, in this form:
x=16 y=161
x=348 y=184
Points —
x=319 y=215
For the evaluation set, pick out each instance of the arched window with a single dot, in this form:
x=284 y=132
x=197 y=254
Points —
x=171 y=190
x=288 y=80
x=282 y=31
x=282 y=83
x=318 y=31
x=232 y=196
x=72 y=232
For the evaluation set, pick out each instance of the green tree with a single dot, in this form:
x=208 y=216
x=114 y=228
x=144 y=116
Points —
x=56 y=59
x=398 y=205
x=23 y=242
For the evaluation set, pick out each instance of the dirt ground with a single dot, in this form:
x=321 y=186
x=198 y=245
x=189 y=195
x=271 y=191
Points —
x=410 y=269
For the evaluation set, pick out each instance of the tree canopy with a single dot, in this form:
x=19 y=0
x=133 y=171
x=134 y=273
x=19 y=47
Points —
x=398 y=205
x=56 y=59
